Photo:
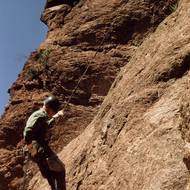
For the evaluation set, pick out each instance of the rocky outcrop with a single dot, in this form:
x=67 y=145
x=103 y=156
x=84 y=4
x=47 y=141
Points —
x=103 y=37
x=137 y=139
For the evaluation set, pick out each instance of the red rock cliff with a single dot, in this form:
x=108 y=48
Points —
x=135 y=138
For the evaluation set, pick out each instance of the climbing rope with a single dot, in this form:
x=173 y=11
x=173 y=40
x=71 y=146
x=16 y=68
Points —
x=84 y=73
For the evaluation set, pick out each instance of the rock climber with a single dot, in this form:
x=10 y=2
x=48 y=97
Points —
x=39 y=151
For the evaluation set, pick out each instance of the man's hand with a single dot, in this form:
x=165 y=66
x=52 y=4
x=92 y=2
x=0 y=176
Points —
x=34 y=149
x=58 y=114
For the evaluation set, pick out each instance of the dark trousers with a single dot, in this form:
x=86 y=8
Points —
x=55 y=179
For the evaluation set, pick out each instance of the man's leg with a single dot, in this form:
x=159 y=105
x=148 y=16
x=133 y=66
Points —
x=60 y=180
x=46 y=173
x=52 y=182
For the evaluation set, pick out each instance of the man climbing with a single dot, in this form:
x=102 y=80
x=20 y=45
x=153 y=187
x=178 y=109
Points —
x=34 y=133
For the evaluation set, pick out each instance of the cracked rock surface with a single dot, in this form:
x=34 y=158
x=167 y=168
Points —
x=135 y=138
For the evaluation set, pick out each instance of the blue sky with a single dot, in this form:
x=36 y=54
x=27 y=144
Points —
x=21 y=32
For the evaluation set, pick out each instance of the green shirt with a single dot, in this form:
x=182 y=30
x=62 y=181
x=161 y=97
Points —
x=36 y=126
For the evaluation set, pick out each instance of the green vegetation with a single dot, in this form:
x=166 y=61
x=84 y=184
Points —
x=32 y=73
x=173 y=7
x=43 y=56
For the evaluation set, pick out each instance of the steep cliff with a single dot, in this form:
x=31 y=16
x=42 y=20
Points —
x=135 y=141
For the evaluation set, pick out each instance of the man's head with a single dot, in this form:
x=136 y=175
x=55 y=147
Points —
x=51 y=105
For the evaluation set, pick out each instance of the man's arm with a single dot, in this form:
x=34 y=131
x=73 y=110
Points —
x=32 y=128
x=28 y=134
x=58 y=114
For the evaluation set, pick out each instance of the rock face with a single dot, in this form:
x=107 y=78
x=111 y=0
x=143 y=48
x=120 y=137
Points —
x=135 y=141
